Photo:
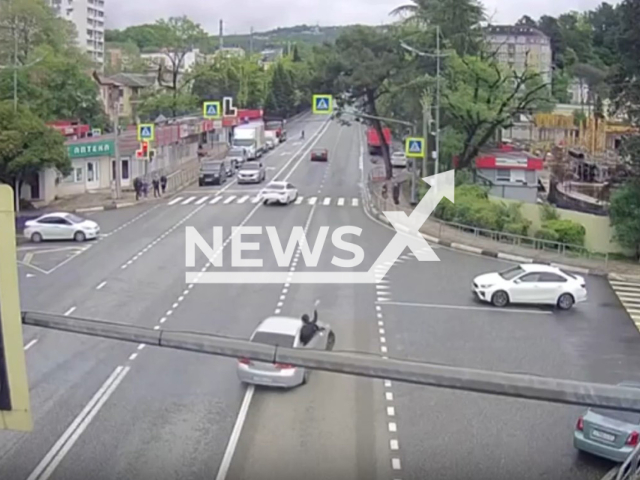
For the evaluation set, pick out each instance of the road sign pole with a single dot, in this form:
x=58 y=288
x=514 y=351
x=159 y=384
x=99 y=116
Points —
x=414 y=200
x=116 y=152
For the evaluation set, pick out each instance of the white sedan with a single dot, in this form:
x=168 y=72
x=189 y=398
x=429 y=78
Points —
x=281 y=192
x=61 y=226
x=531 y=283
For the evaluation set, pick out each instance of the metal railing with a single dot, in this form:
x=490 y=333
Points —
x=484 y=238
x=630 y=469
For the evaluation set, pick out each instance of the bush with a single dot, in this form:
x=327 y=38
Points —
x=548 y=212
x=568 y=231
x=546 y=234
x=517 y=228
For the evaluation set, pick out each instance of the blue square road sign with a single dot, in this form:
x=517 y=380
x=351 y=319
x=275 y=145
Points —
x=146 y=132
x=322 y=104
x=211 y=110
x=414 y=147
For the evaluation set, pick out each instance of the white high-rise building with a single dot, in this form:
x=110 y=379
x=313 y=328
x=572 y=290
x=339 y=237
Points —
x=88 y=17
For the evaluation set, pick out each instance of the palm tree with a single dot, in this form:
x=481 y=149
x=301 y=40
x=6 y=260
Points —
x=459 y=20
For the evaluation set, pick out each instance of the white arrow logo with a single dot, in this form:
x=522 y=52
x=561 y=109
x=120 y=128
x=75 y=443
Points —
x=442 y=185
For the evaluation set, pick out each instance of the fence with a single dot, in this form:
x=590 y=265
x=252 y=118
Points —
x=630 y=469
x=517 y=245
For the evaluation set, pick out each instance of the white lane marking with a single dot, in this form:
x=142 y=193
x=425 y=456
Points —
x=255 y=199
x=215 y=200
x=202 y=200
x=393 y=427
x=133 y=356
x=188 y=201
x=327 y=201
x=388 y=396
x=235 y=434
x=70 y=311
x=340 y=202
x=60 y=449
x=463 y=307
x=393 y=444
x=299 y=200
x=395 y=463
x=387 y=383
x=141 y=346
x=101 y=285
x=354 y=202
x=175 y=200
x=230 y=199
x=383 y=349
x=391 y=411
x=30 y=344
x=243 y=199
x=312 y=201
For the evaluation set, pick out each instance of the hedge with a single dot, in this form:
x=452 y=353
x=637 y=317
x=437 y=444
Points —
x=567 y=231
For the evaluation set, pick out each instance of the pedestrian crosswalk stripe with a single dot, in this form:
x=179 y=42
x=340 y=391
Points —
x=354 y=202
x=255 y=199
x=202 y=200
x=212 y=199
x=340 y=202
x=215 y=200
x=175 y=200
x=188 y=200
x=327 y=201
x=312 y=200
x=230 y=199
x=243 y=199
x=299 y=200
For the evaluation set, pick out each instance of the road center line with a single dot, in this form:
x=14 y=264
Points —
x=235 y=434
x=30 y=344
x=465 y=307
x=101 y=285
x=69 y=312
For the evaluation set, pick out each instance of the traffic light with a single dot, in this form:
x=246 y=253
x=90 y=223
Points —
x=14 y=388
x=144 y=150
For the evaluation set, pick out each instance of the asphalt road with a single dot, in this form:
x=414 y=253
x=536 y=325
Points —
x=114 y=411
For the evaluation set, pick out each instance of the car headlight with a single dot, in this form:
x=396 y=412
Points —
x=486 y=286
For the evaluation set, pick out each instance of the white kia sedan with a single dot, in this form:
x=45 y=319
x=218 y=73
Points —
x=61 y=226
x=281 y=192
x=531 y=283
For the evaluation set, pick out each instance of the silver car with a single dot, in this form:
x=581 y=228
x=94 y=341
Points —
x=398 y=160
x=238 y=155
x=282 y=332
x=611 y=434
x=252 y=172
x=61 y=226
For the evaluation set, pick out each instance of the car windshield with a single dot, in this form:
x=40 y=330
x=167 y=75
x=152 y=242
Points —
x=621 y=415
x=240 y=142
x=249 y=167
x=511 y=273
x=275 y=186
x=74 y=218
x=236 y=152
x=275 y=339
x=210 y=166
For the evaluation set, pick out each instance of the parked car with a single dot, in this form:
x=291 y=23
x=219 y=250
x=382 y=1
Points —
x=611 y=434
x=319 y=154
x=213 y=173
x=531 y=283
x=230 y=166
x=281 y=192
x=238 y=155
x=282 y=332
x=252 y=172
x=270 y=143
x=398 y=160
x=61 y=226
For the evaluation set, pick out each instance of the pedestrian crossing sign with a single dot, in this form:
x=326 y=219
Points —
x=414 y=147
x=211 y=110
x=146 y=132
x=322 y=104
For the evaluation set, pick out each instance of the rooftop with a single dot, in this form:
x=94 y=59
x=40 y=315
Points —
x=514 y=30
x=283 y=325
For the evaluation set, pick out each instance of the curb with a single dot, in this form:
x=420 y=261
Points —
x=491 y=253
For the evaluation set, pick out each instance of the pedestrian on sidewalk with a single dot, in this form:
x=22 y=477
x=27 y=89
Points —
x=137 y=186
x=145 y=188
x=156 y=187
x=396 y=192
x=163 y=183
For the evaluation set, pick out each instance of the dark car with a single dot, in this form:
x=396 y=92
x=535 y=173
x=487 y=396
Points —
x=283 y=136
x=231 y=165
x=213 y=173
x=319 y=155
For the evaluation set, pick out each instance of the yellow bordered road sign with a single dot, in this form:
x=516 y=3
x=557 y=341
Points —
x=414 y=147
x=323 y=104
x=15 y=412
x=146 y=132
x=211 y=110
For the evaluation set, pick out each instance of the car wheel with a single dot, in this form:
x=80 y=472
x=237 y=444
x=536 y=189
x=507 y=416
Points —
x=305 y=378
x=79 y=237
x=36 y=237
x=565 y=301
x=500 y=299
x=264 y=202
x=331 y=341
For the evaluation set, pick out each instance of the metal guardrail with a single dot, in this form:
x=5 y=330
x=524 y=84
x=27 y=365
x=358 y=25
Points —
x=515 y=385
x=456 y=232
x=630 y=468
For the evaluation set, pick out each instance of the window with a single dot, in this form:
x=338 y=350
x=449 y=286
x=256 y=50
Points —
x=518 y=176
x=551 y=278
x=275 y=339
x=511 y=273
x=125 y=169
x=503 y=175
x=530 y=278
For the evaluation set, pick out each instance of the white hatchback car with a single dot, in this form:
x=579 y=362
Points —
x=531 y=283
x=281 y=192
x=61 y=226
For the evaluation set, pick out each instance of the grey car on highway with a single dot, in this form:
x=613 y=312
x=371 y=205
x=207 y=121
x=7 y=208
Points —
x=281 y=332
x=252 y=172
x=611 y=434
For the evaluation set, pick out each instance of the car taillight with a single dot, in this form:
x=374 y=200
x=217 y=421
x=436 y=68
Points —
x=580 y=424
x=283 y=366
x=245 y=361
x=633 y=439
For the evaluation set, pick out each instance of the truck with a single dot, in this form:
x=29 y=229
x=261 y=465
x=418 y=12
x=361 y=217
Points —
x=250 y=136
x=276 y=125
x=373 y=140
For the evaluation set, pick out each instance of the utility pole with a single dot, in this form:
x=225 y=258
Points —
x=15 y=70
x=437 y=155
x=414 y=199
x=113 y=92
x=426 y=120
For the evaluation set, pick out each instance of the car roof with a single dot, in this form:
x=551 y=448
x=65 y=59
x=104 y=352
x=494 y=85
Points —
x=54 y=214
x=282 y=184
x=281 y=325
x=539 y=267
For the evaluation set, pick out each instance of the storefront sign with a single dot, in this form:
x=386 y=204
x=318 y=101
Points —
x=511 y=162
x=103 y=148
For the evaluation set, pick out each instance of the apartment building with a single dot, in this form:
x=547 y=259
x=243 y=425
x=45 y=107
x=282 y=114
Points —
x=88 y=17
x=520 y=47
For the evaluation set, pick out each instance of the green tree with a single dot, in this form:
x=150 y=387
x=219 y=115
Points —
x=481 y=97
x=296 y=55
x=283 y=91
x=27 y=146
x=145 y=37
x=624 y=212
x=167 y=104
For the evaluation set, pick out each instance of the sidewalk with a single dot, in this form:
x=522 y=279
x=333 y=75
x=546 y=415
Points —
x=465 y=241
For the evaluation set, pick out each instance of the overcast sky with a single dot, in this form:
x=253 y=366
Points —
x=240 y=15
